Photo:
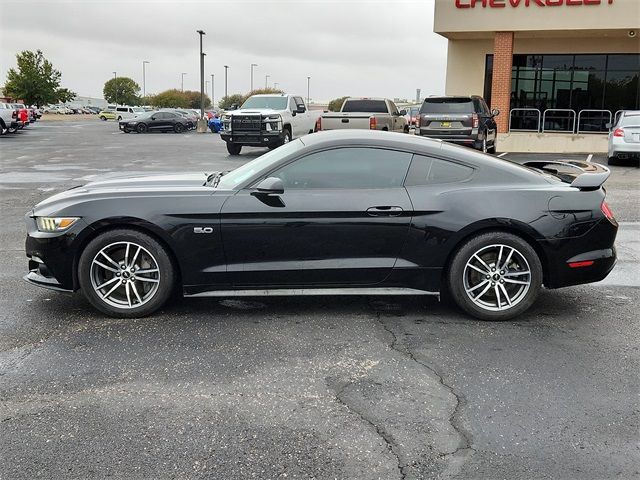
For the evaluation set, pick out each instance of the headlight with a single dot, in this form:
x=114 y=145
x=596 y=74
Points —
x=55 y=224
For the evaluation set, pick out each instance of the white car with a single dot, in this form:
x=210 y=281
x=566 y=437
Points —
x=125 y=112
x=624 y=137
x=267 y=120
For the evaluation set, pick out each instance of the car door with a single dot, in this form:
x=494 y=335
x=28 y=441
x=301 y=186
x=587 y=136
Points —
x=396 y=123
x=342 y=219
x=302 y=119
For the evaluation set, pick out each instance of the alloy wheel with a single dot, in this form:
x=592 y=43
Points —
x=125 y=275
x=497 y=277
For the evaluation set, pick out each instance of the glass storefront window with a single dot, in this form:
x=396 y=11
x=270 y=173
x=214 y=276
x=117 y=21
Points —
x=576 y=82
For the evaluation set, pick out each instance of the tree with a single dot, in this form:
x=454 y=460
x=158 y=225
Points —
x=122 y=90
x=35 y=82
x=193 y=99
x=170 y=98
x=226 y=102
x=336 y=104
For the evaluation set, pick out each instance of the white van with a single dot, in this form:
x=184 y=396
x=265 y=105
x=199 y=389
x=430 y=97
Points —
x=125 y=112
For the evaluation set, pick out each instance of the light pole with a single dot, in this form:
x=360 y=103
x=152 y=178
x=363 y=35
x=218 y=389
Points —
x=308 y=89
x=226 y=69
x=144 y=79
x=266 y=81
x=182 y=81
x=252 y=65
x=115 y=84
x=213 y=90
x=202 y=125
x=275 y=85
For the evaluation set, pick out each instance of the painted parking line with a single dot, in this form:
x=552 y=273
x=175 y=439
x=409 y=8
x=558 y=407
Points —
x=503 y=154
x=589 y=157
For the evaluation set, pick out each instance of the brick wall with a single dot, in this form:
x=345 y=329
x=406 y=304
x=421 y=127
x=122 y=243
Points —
x=501 y=85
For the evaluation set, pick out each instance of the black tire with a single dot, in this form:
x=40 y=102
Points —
x=178 y=128
x=103 y=118
x=406 y=129
x=487 y=245
x=12 y=129
x=233 y=149
x=114 y=240
x=127 y=130
x=141 y=128
x=287 y=135
x=613 y=160
x=119 y=118
x=494 y=147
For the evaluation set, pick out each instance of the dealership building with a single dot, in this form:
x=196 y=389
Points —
x=558 y=70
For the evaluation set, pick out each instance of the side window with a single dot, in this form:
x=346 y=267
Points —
x=299 y=101
x=485 y=107
x=121 y=109
x=392 y=108
x=477 y=107
x=347 y=168
x=292 y=104
x=433 y=171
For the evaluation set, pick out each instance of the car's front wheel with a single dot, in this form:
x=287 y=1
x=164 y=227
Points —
x=126 y=273
x=233 y=148
x=178 y=128
x=495 y=276
x=141 y=128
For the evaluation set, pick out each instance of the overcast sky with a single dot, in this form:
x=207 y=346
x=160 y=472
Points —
x=348 y=47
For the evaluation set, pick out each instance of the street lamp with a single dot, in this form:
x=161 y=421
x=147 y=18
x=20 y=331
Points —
x=144 y=80
x=226 y=69
x=182 y=80
x=275 y=85
x=115 y=84
x=213 y=90
x=252 y=65
x=202 y=126
x=266 y=81
x=308 y=88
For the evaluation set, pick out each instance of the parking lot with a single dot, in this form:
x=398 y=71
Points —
x=320 y=387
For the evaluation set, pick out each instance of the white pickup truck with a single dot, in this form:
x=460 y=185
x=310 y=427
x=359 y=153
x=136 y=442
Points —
x=8 y=118
x=268 y=120
x=366 y=113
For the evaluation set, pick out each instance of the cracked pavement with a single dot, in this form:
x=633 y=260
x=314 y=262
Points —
x=345 y=387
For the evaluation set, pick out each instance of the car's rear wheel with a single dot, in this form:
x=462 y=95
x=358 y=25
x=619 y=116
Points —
x=127 y=130
x=141 y=128
x=494 y=147
x=233 y=149
x=126 y=273
x=495 y=276
x=178 y=128
x=103 y=118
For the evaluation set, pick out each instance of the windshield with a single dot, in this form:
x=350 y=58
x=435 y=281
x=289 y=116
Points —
x=369 y=106
x=235 y=177
x=447 y=105
x=275 y=103
x=138 y=110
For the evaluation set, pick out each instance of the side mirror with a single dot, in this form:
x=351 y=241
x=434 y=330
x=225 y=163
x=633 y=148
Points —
x=609 y=126
x=301 y=109
x=234 y=106
x=270 y=185
x=403 y=112
x=495 y=112
x=153 y=118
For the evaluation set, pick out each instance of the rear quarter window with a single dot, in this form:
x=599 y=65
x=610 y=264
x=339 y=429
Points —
x=433 y=171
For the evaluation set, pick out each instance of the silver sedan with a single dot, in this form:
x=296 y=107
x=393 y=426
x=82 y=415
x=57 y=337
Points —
x=624 y=137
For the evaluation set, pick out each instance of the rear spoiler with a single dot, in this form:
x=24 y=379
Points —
x=582 y=175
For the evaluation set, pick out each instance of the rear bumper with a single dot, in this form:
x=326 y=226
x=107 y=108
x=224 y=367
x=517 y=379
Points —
x=253 y=139
x=586 y=259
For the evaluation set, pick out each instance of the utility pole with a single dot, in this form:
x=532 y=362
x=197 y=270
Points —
x=275 y=85
x=266 y=81
x=144 y=79
x=226 y=69
x=202 y=124
x=182 y=81
x=115 y=83
x=213 y=92
x=308 y=89
x=252 y=65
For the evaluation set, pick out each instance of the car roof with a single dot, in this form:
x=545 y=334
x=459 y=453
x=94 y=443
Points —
x=413 y=143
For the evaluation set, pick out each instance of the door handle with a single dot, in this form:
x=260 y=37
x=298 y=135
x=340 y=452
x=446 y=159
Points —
x=384 y=211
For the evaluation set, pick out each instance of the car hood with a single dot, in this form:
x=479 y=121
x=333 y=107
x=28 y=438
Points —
x=121 y=185
x=254 y=111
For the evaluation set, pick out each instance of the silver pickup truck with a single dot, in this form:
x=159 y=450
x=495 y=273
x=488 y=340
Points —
x=365 y=113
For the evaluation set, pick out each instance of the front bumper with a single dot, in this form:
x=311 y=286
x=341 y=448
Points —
x=253 y=139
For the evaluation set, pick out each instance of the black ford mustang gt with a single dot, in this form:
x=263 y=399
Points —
x=344 y=212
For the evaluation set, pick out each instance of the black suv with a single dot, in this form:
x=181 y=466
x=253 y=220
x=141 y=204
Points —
x=462 y=120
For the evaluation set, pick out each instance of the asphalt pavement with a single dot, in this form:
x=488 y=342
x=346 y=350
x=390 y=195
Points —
x=323 y=387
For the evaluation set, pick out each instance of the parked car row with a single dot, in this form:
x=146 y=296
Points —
x=15 y=116
x=65 y=110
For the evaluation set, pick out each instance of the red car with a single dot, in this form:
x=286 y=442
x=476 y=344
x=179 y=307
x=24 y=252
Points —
x=23 y=114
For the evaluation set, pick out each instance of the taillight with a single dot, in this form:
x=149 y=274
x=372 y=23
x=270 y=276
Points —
x=606 y=211
x=586 y=263
x=373 y=123
x=319 y=124
x=618 y=132
x=476 y=120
